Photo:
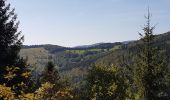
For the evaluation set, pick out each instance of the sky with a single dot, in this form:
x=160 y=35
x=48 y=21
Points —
x=83 y=22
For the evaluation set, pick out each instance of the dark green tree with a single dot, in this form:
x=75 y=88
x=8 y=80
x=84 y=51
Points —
x=10 y=45
x=50 y=74
x=10 y=39
x=150 y=71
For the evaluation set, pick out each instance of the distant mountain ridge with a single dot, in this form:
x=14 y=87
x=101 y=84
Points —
x=87 y=46
x=96 y=45
x=42 y=45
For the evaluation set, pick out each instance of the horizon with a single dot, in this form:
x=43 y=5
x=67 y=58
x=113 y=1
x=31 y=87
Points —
x=89 y=44
x=75 y=23
x=76 y=45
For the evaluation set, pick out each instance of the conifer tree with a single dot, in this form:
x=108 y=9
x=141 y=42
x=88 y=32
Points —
x=50 y=73
x=60 y=90
x=10 y=45
x=10 y=39
x=150 y=71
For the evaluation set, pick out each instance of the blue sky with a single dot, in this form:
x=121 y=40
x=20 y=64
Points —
x=80 y=22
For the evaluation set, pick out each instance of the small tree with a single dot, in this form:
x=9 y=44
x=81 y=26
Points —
x=59 y=90
x=50 y=74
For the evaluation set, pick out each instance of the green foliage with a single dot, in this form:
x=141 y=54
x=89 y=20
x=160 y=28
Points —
x=106 y=83
x=14 y=89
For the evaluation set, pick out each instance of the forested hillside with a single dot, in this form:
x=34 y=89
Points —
x=74 y=63
x=128 y=51
x=66 y=58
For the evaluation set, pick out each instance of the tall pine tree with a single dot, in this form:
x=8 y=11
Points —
x=150 y=72
x=10 y=45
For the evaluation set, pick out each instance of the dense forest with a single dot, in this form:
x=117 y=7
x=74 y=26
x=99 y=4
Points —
x=130 y=70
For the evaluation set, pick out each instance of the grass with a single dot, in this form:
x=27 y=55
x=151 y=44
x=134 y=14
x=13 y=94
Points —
x=116 y=47
x=80 y=52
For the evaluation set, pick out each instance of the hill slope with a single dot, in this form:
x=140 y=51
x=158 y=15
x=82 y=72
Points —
x=127 y=52
x=74 y=62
